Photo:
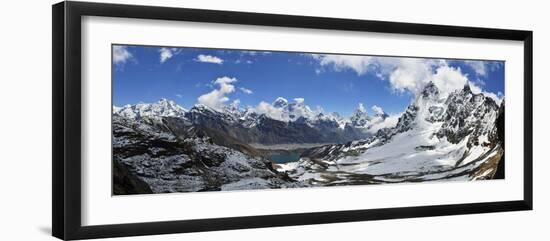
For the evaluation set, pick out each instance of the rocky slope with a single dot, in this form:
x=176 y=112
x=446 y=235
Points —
x=437 y=138
x=162 y=147
x=170 y=155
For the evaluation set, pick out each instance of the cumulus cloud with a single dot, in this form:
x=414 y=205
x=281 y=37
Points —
x=225 y=80
x=269 y=110
x=279 y=111
x=121 y=54
x=377 y=110
x=483 y=67
x=448 y=79
x=218 y=97
x=361 y=107
x=388 y=122
x=359 y=64
x=406 y=74
x=479 y=67
x=167 y=53
x=246 y=91
x=498 y=97
x=208 y=59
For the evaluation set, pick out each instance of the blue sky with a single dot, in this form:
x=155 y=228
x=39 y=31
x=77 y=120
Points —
x=337 y=83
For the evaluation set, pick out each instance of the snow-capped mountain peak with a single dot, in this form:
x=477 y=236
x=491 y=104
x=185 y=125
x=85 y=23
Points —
x=430 y=91
x=280 y=102
x=436 y=137
x=162 y=108
x=298 y=109
x=360 y=117
x=379 y=112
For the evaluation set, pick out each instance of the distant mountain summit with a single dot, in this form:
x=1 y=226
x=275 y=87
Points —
x=457 y=115
x=162 y=147
x=280 y=102
x=286 y=122
x=162 y=108
x=437 y=137
x=360 y=118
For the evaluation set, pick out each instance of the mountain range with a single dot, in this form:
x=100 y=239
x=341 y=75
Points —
x=288 y=122
x=456 y=136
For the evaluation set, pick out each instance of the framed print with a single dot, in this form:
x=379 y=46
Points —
x=170 y=120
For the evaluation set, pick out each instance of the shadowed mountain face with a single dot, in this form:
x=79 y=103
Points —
x=126 y=182
x=162 y=147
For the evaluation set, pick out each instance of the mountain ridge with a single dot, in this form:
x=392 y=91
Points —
x=162 y=147
x=295 y=121
x=450 y=136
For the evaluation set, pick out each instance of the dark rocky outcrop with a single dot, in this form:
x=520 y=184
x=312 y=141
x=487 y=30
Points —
x=499 y=174
x=125 y=182
x=462 y=106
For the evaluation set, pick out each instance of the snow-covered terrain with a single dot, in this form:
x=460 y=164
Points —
x=281 y=122
x=162 y=108
x=451 y=136
x=437 y=138
x=187 y=160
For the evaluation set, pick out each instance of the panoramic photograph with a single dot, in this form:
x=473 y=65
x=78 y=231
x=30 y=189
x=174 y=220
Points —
x=188 y=119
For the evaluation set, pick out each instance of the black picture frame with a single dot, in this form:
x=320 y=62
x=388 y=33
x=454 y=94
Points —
x=66 y=127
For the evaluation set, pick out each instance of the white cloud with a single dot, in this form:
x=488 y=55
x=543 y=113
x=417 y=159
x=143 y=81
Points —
x=217 y=97
x=480 y=67
x=403 y=74
x=246 y=91
x=167 y=53
x=407 y=74
x=448 y=79
x=225 y=80
x=389 y=122
x=498 y=97
x=236 y=103
x=413 y=74
x=179 y=96
x=377 y=110
x=270 y=111
x=121 y=54
x=281 y=113
x=359 y=64
x=361 y=107
x=209 y=59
